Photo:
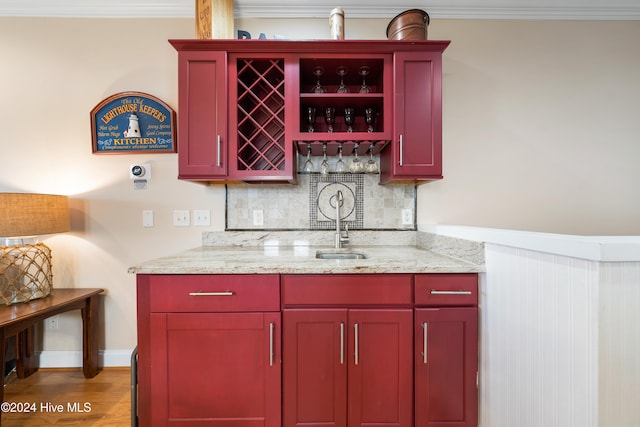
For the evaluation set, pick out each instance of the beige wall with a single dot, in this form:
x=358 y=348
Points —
x=541 y=127
x=540 y=133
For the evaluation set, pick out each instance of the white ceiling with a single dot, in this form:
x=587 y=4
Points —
x=459 y=9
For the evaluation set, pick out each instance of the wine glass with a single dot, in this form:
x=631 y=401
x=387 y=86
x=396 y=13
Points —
x=340 y=167
x=342 y=71
x=349 y=117
x=330 y=118
x=318 y=71
x=324 y=166
x=364 y=72
x=311 y=118
x=308 y=165
x=369 y=118
x=356 y=165
x=371 y=166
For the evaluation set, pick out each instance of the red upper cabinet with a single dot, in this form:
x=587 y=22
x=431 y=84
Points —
x=415 y=152
x=233 y=116
x=202 y=122
x=249 y=107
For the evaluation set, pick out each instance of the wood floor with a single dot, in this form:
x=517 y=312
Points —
x=104 y=400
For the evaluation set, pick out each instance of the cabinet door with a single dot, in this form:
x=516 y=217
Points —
x=202 y=119
x=416 y=149
x=380 y=374
x=314 y=367
x=446 y=365
x=215 y=368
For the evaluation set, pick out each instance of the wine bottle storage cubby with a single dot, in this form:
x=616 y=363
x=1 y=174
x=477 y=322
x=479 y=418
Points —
x=261 y=114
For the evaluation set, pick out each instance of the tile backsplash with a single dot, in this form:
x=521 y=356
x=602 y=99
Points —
x=310 y=205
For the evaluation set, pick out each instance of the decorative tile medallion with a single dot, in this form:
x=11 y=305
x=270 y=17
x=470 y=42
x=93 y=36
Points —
x=323 y=196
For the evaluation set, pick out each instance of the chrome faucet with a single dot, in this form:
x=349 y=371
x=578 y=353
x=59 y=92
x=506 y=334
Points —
x=340 y=238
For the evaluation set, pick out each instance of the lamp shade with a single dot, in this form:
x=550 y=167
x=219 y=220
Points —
x=27 y=214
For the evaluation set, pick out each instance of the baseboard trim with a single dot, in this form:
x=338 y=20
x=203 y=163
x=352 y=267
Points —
x=73 y=359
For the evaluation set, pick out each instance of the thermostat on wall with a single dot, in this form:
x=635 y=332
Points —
x=140 y=171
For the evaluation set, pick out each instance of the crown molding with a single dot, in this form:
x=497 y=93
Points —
x=595 y=10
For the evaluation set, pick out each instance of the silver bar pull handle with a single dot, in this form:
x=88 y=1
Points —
x=424 y=343
x=401 y=154
x=437 y=292
x=355 y=352
x=271 y=346
x=212 y=294
x=342 y=343
x=218 y=151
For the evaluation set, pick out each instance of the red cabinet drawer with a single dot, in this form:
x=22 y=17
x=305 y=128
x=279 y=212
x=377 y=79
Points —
x=446 y=289
x=347 y=289
x=219 y=293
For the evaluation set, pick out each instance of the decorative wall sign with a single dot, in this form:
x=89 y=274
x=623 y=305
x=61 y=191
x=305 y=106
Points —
x=133 y=122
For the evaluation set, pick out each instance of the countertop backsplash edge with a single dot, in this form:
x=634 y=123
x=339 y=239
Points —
x=462 y=249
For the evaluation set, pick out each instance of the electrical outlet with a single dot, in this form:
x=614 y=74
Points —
x=181 y=218
x=407 y=216
x=52 y=322
x=202 y=217
x=258 y=217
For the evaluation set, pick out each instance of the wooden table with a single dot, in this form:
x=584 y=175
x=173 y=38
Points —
x=19 y=320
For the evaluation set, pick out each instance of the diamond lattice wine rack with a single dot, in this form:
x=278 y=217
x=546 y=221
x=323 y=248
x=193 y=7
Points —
x=260 y=114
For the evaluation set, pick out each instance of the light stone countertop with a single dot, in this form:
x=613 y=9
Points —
x=228 y=257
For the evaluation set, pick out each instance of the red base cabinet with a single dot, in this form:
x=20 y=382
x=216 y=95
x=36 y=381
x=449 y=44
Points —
x=316 y=371
x=209 y=351
x=446 y=391
x=446 y=350
x=349 y=366
x=345 y=350
x=215 y=369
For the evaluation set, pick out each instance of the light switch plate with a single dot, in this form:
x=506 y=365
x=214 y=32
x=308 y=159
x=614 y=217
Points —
x=147 y=218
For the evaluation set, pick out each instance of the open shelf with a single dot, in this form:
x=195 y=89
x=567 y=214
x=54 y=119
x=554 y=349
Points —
x=313 y=106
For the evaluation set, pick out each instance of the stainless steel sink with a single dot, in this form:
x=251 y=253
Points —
x=339 y=255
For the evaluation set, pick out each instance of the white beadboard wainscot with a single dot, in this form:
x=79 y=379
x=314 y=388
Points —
x=559 y=328
x=539 y=340
x=619 y=349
